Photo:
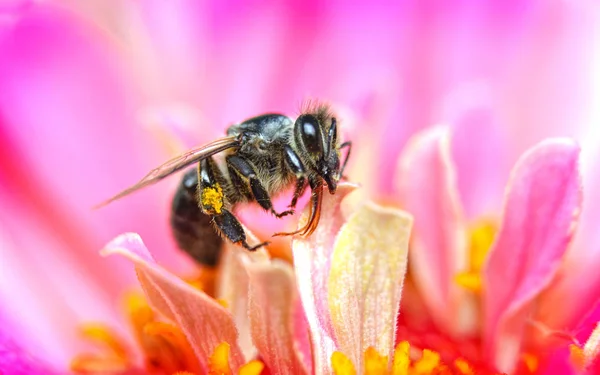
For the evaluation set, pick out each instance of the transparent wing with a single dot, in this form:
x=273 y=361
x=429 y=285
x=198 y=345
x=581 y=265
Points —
x=177 y=163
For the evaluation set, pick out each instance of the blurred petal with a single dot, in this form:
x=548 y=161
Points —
x=63 y=79
x=16 y=361
x=205 y=323
x=45 y=288
x=542 y=204
x=272 y=295
x=366 y=278
x=312 y=256
x=478 y=145
x=426 y=182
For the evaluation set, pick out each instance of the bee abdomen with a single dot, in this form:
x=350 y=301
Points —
x=192 y=229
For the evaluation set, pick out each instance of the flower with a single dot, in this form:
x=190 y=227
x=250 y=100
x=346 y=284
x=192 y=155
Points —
x=102 y=76
x=487 y=284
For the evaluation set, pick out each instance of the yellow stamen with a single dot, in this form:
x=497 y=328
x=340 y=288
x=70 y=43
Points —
x=469 y=280
x=375 y=364
x=218 y=363
x=401 y=359
x=103 y=335
x=252 y=368
x=530 y=361
x=112 y=358
x=463 y=366
x=577 y=356
x=428 y=362
x=92 y=364
x=205 y=280
x=213 y=197
x=481 y=239
x=342 y=365
x=177 y=342
x=223 y=303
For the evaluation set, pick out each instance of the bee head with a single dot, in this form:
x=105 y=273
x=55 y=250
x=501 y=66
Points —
x=320 y=149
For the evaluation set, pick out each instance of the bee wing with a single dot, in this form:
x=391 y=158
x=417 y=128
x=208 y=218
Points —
x=177 y=163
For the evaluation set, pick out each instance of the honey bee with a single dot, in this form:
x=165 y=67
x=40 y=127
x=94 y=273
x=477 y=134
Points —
x=263 y=156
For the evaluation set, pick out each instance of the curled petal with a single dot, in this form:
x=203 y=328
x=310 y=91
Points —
x=428 y=190
x=271 y=303
x=312 y=256
x=205 y=323
x=366 y=279
x=541 y=208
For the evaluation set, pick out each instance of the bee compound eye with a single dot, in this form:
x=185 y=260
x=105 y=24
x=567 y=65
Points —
x=310 y=132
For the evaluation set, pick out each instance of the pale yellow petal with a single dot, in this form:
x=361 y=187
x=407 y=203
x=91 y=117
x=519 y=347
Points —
x=366 y=278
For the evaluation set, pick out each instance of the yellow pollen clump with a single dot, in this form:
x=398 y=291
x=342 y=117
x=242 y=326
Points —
x=481 y=239
x=212 y=197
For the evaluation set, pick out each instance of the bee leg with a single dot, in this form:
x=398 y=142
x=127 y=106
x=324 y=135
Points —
x=347 y=144
x=211 y=201
x=298 y=191
x=231 y=228
x=316 y=200
x=293 y=162
x=246 y=172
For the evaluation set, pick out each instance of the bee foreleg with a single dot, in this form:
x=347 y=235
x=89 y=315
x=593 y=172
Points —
x=298 y=191
x=293 y=162
x=231 y=228
x=244 y=170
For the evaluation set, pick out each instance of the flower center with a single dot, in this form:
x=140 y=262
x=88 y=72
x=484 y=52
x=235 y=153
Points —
x=406 y=361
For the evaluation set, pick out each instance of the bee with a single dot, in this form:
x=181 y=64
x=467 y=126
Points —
x=263 y=156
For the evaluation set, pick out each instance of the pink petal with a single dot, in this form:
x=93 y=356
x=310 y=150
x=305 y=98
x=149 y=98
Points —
x=62 y=78
x=426 y=183
x=272 y=296
x=302 y=335
x=542 y=204
x=366 y=278
x=233 y=288
x=579 y=274
x=479 y=145
x=312 y=256
x=205 y=323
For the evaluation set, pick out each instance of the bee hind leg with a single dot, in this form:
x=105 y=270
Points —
x=227 y=224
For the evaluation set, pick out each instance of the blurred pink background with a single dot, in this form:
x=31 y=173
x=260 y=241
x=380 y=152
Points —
x=90 y=90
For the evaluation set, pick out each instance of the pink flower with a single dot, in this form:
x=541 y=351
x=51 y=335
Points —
x=484 y=279
x=84 y=85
